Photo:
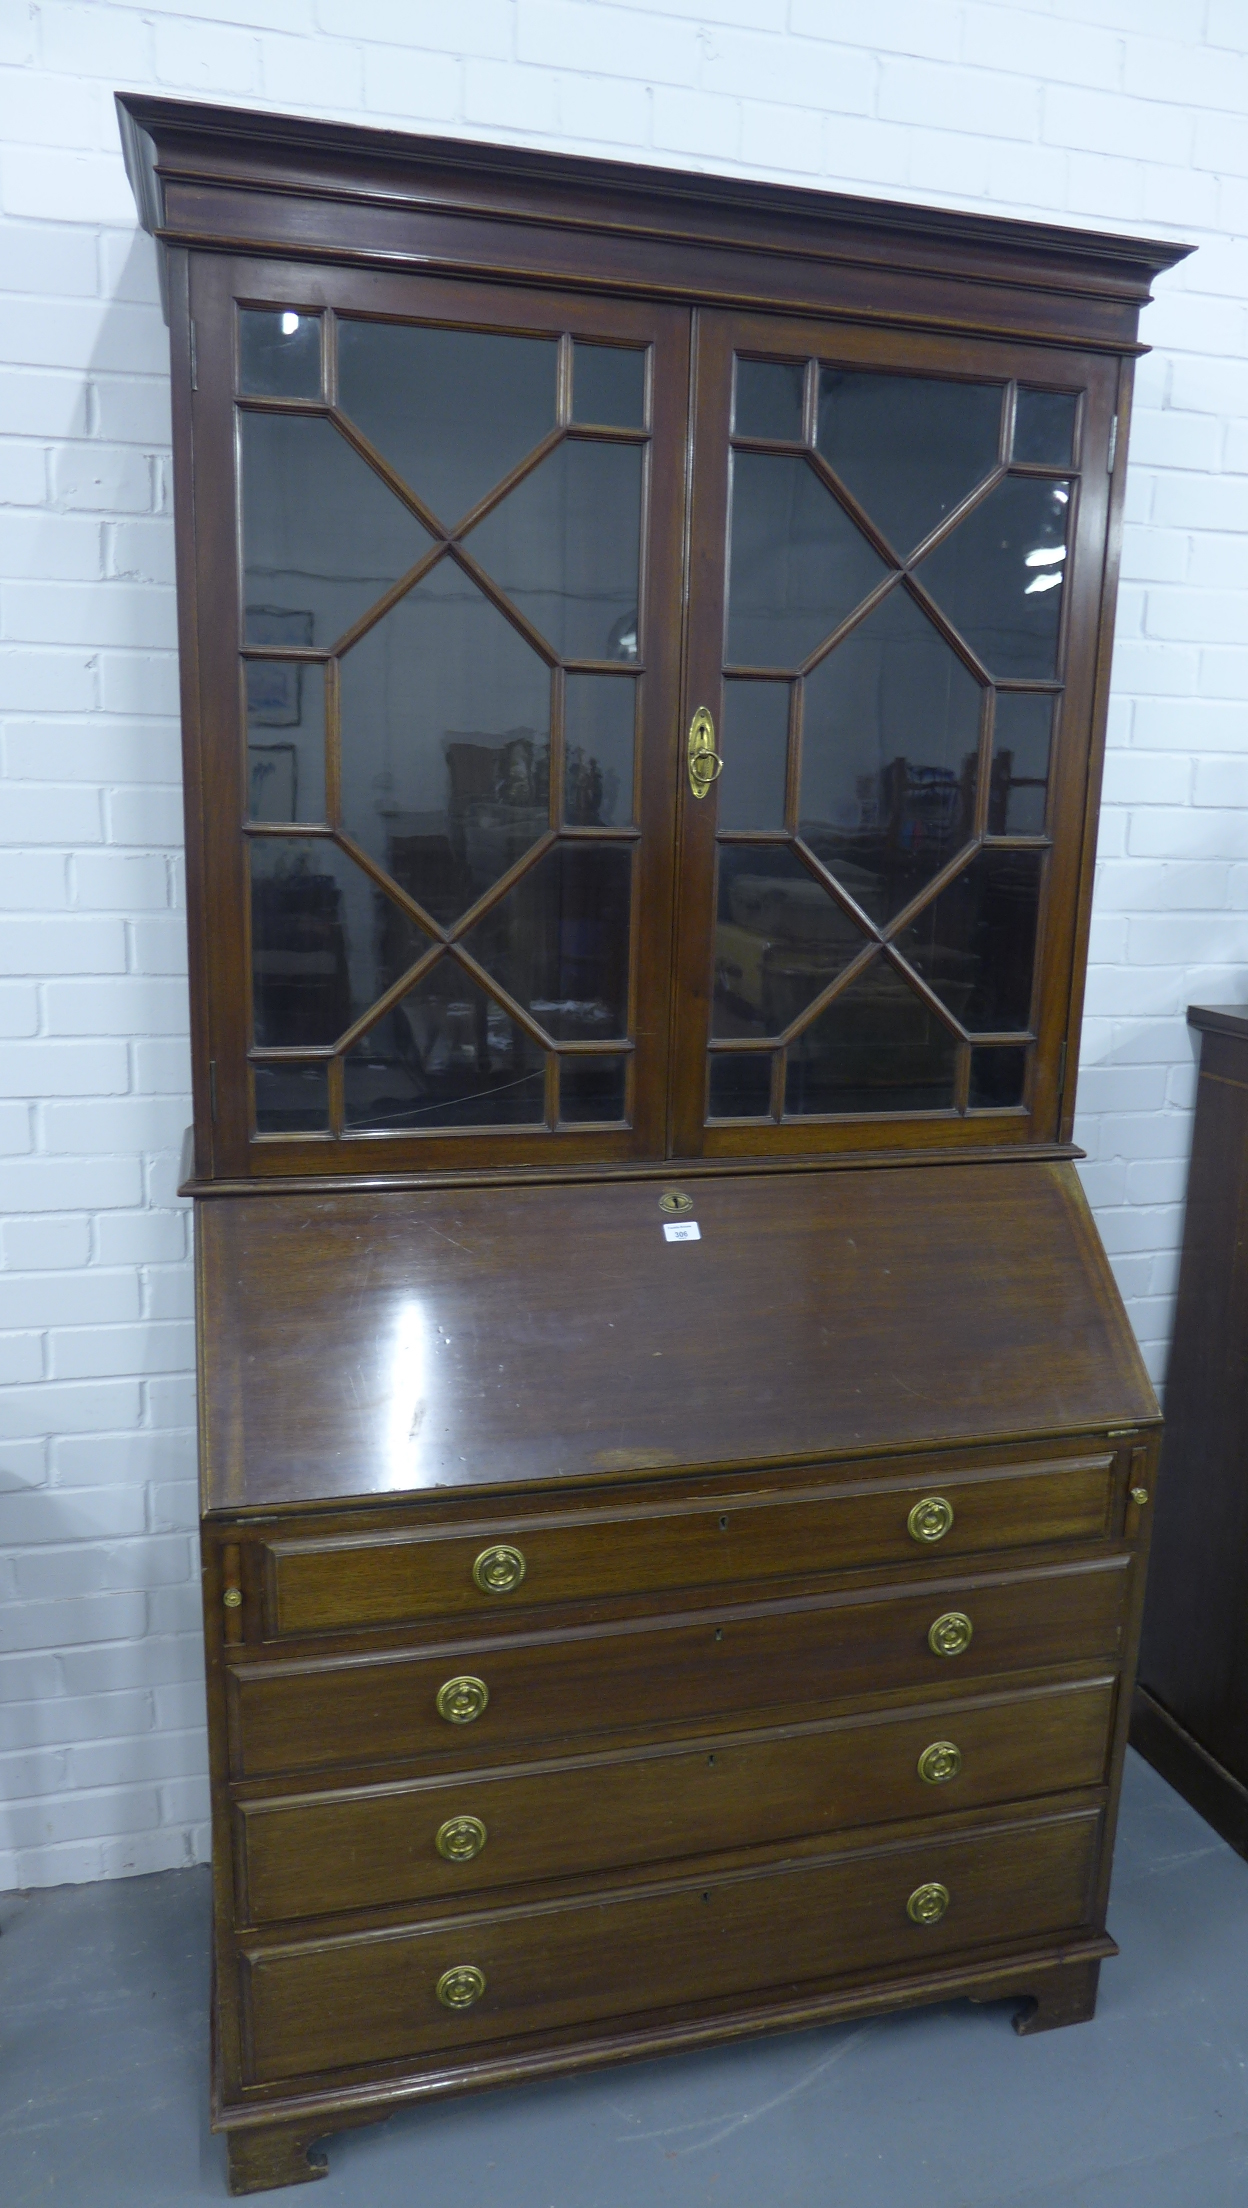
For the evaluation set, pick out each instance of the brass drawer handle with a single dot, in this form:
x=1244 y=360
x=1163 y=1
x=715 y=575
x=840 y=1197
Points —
x=460 y=1838
x=499 y=1569
x=927 y=1904
x=930 y=1520
x=950 y=1633
x=705 y=763
x=463 y=1699
x=1139 y=1496
x=460 y=1986
x=937 y=1764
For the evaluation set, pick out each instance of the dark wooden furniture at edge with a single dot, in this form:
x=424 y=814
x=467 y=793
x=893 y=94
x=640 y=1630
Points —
x=1191 y=1702
x=676 y=1469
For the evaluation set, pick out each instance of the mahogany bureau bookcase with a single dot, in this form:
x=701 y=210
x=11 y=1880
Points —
x=676 y=1468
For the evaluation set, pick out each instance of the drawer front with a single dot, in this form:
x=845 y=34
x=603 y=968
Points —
x=374 y=1998
x=334 y=1584
x=371 y=1846
x=305 y=1715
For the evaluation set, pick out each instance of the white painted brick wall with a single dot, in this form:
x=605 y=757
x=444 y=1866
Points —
x=1129 y=113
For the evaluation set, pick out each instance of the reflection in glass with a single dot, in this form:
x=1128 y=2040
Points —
x=445 y=1056
x=323 y=538
x=445 y=743
x=325 y=942
x=599 y=719
x=799 y=565
x=285 y=740
x=1044 y=427
x=291 y=1100
x=558 y=942
x=1022 y=739
x=890 y=746
x=740 y=1084
x=974 y=944
x=754 y=740
x=999 y=577
x=609 y=386
x=592 y=1088
x=997 y=1079
x=565 y=546
x=768 y=400
x=453 y=411
x=909 y=448
x=279 y=354
x=780 y=938
x=877 y=1048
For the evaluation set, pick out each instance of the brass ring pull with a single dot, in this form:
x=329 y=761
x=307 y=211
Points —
x=927 y=1904
x=499 y=1569
x=950 y=1634
x=460 y=1838
x=930 y=1520
x=938 y=1763
x=705 y=764
x=463 y=1699
x=460 y=1986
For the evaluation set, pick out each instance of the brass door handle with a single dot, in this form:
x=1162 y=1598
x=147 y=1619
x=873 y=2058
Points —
x=704 y=761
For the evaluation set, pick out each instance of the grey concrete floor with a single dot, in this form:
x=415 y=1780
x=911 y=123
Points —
x=104 y=2054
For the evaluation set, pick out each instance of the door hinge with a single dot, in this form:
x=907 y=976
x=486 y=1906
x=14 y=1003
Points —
x=1112 y=454
x=212 y=1089
x=195 y=370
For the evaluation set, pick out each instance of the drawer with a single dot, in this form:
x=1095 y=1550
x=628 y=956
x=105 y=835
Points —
x=338 y=1582
x=367 y=1847
x=301 y=1714
x=566 y=1966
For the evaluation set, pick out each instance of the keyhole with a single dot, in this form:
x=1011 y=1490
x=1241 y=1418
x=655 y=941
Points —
x=719 y=1632
x=710 y=1759
x=706 y=1897
x=723 y=1525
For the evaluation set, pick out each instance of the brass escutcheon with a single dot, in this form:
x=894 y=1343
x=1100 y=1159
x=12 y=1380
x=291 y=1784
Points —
x=927 y=1904
x=460 y=1838
x=499 y=1569
x=1139 y=1496
x=233 y=1598
x=703 y=760
x=461 y=1700
x=930 y=1520
x=943 y=1760
x=950 y=1633
x=460 y=1986
x=675 y=1200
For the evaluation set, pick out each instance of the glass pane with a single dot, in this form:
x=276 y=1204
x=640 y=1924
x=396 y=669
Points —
x=908 y=447
x=1022 y=740
x=798 y=564
x=325 y=942
x=599 y=718
x=279 y=354
x=445 y=1056
x=768 y=399
x=754 y=740
x=999 y=576
x=609 y=385
x=453 y=411
x=890 y=755
x=780 y=939
x=445 y=743
x=877 y=1048
x=740 y=1085
x=565 y=546
x=997 y=1079
x=1044 y=427
x=592 y=1088
x=975 y=944
x=285 y=740
x=291 y=1100
x=558 y=942
x=323 y=538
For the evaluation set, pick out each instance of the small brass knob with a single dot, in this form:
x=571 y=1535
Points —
x=463 y=1699
x=1139 y=1496
x=460 y=1986
x=460 y=1838
x=927 y=1904
x=930 y=1520
x=942 y=1761
x=499 y=1569
x=233 y=1598
x=950 y=1634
